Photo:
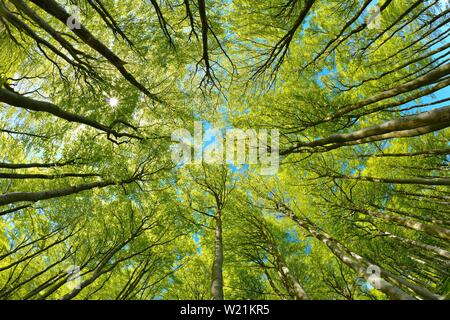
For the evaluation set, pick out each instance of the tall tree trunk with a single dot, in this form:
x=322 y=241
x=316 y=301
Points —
x=351 y=259
x=36 y=165
x=360 y=264
x=13 y=197
x=436 y=250
x=291 y=283
x=431 y=181
x=217 y=275
x=430 y=229
x=6 y=175
x=407 y=126
x=294 y=287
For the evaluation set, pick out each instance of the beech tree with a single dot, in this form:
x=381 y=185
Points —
x=93 y=206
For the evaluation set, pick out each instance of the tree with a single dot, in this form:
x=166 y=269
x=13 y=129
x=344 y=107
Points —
x=92 y=205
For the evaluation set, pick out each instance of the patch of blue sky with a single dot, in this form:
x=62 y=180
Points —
x=197 y=216
x=161 y=294
x=250 y=197
x=168 y=181
x=196 y=237
x=334 y=188
x=133 y=199
x=210 y=140
x=278 y=216
x=10 y=233
x=271 y=194
x=323 y=72
x=358 y=169
x=308 y=247
x=287 y=198
x=364 y=284
x=239 y=169
x=443 y=93
x=129 y=265
x=344 y=166
x=291 y=235
x=275 y=214
x=110 y=198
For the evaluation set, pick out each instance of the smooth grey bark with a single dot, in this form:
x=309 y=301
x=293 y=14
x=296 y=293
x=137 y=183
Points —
x=351 y=259
x=49 y=194
x=294 y=287
x=406 y=87
x=408 y=126
x=217 y=267
x=409 y=154
x=422 y=81
x=260 y=237
x=436 y=250
x=430 y=229
x=444 y=181
x=2 y=213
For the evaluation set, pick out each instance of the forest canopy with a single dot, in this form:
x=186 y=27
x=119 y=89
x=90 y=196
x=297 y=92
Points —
x=354 y=96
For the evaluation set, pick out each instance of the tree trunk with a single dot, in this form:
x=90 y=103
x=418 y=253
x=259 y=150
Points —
x=436 y=250
x=432 y=181
x=217 y=276
x=351 y=259
x=407 y=126
x=4 y=175
x=430 y=229
x=294 y=287
x=44 y=195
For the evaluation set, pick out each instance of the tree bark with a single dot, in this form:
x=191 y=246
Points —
x=217 y=272
x=403 y=127
x=439 y=251
x=5 y=165
x=4 y=175
x=294 y=287
x=423 y=181
x=430 y=229
x=44 y=195
x=351 y=259
x=17 y=100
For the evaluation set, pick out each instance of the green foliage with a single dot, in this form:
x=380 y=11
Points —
x=345 y=197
